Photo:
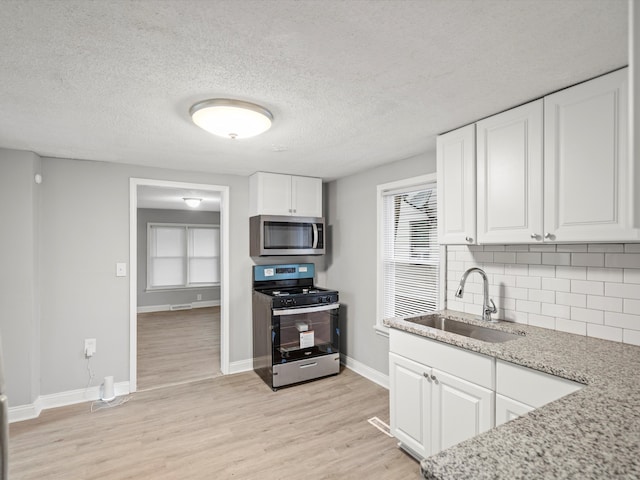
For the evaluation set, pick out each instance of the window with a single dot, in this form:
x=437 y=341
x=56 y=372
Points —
x=182 y=256
x=408 y=249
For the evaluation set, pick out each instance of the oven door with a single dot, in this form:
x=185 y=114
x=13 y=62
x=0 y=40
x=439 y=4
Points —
x=305 y=332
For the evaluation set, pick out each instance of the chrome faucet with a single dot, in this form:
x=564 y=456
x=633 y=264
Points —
x=486 y=309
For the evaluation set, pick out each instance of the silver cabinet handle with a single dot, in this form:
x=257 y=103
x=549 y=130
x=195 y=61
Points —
x=307 y=365
x=434 y=378
x=426 y=375
x=534 y=235
x=468 y=239
x=547 y=235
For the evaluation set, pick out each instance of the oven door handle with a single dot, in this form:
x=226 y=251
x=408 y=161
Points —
x=297 y=311
x=315 y=236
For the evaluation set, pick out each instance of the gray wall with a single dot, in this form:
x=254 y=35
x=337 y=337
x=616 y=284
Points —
x=19 y=287
x=85 y=231
x=351 y=264
x=170 y=297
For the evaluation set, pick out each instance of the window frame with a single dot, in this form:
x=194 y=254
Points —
x=383 y=190
x=187 y=285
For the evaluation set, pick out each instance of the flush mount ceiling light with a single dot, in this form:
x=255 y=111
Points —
x=192 y=202
x=231 y=118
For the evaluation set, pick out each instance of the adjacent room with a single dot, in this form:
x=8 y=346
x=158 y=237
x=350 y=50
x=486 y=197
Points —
x=320 y=239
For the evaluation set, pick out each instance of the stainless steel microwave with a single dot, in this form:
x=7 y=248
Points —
x=284 y=235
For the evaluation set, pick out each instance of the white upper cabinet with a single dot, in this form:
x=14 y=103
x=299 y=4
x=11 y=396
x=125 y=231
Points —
x=588 y=189
x=276 y=194
x=456 y=171
x=509 y=156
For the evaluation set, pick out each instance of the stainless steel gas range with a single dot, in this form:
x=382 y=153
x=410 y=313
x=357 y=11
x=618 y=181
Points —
x=296 y=336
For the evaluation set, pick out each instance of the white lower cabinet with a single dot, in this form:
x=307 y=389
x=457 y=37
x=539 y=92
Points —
x=441 y=395
x=432 y=409
x=507 y=409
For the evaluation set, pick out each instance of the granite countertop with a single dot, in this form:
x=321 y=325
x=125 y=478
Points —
x=593 y=433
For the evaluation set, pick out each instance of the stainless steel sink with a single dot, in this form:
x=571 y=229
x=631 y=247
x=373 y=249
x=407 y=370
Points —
x=465 y=329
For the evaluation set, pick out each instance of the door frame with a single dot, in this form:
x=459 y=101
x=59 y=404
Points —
x=223 y=190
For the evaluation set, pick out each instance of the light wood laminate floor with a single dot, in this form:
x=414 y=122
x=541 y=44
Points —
x=229 y=427
x=177 y=347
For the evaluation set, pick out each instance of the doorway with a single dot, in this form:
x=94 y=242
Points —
x=166 y=317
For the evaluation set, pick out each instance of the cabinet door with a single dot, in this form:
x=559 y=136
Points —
x=507 y=409
x=509 y=156
x=270 y=194
x=460 y=410
x=456 y=165
x=306 y=196
x=587 y=169
x=409 y=403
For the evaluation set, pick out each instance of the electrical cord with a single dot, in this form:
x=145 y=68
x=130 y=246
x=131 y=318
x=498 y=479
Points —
x=101 y=404
x=91 y=374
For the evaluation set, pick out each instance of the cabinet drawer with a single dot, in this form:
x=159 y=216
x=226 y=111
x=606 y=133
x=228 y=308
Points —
x=470 y=366
x=531 y=386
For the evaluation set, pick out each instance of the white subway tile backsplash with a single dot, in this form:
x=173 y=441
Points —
x=622 y=260
x=571 y=326
x=571 y=299
x=602 y=331
x=622 y=320
x=528 y=282
x=542 y=248
x=586 y=315
x=631 y=275
x=587 y=259
x=542 y=270
x=575 y=273
x=556 y=284
x=542 y=321
x=622 y=290
x=530 y=258
x=571 y=248
x=631 y=306
x=631 y=336
x=494 y=248
x=610 y=304
x=555 y=310
x=527 y=306
x=606 y=247
x=585 y=286
x=504 y=257
x=544 y=296
x=556 y=258
x=604 y=274
x=584 y=289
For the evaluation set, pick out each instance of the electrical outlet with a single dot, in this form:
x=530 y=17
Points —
x=89 y=347
x=199 y=296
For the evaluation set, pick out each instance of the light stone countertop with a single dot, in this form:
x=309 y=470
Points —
x=593 y=433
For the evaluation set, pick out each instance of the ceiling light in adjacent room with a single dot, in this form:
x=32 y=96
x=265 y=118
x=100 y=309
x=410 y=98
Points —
x=231 y=118
x=192 y=202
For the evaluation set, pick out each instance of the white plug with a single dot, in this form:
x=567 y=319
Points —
x=89 y=347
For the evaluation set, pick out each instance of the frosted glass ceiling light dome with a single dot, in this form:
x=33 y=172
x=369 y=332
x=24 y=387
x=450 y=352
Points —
x=192 y=202
x=231 y=118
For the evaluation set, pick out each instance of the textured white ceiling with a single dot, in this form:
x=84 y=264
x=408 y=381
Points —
x=352 y=84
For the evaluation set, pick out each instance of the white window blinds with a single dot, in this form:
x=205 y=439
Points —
x=410 y=252
x=182 y=256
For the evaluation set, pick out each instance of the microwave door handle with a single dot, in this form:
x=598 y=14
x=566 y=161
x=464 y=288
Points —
x=315 y=235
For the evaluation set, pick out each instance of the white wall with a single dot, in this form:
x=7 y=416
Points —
x=591 y=290
x=85 y=231
x=351 y=262
x=19 y=288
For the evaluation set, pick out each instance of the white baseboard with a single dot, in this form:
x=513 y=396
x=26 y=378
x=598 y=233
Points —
x=62 y=399
x=241 y=366
x=166 y=308
x=367 y=372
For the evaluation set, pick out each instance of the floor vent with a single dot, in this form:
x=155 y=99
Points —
x=380 y=425
x=184 y=306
